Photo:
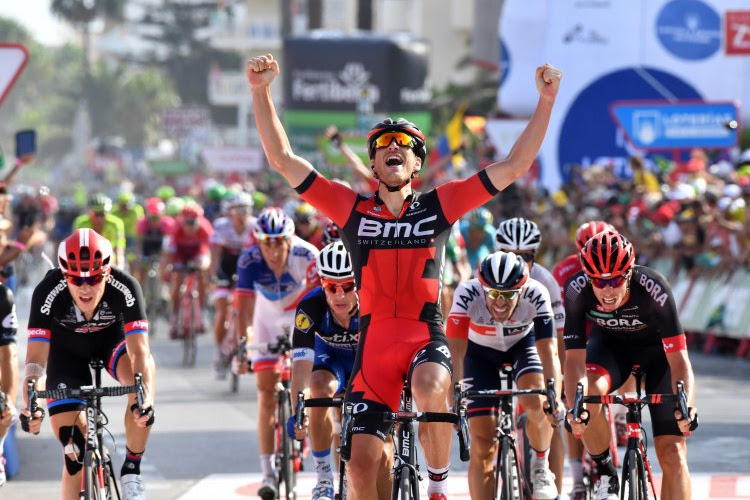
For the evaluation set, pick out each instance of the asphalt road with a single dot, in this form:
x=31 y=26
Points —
x=202 y=429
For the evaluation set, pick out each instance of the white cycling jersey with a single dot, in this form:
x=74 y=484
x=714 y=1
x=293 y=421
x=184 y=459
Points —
x=470 y=318
x=225 y=236
x=544 y=276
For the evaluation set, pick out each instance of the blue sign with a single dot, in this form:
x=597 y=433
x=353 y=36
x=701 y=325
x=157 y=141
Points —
x=689 y=29
x=666 y=125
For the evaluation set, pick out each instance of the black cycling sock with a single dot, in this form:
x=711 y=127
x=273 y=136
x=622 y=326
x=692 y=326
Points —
x=132 y=463
x=604 y=464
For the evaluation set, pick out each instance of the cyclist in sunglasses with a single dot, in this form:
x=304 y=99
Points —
x=326 y=335
x=87 y=309
x=504 y=316
x=273 y=275
x=633 y=321
x=396 y=239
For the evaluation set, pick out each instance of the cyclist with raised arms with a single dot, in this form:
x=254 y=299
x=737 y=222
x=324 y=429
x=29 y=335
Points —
x=504 y=316
x=633 y=321
x=396 y=239
x=272 y=277
x=326 y=334
x=563 y=271
x=522 y=237
x=232 y=234
x=85 y=310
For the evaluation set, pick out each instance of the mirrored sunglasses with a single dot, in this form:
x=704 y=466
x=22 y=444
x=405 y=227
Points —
x=505 y=294
x=271 y=240
x=84 y=280
x=401 y=138
x=613 y=282
x=333 y=286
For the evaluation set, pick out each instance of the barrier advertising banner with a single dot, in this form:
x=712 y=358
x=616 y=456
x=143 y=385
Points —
x=609 y=50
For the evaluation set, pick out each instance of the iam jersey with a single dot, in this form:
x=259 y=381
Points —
x=8 y=317
x=52 y=308
x=543 y=276
x=314 y=319
x=231 y=242
x=397 y=258
x=647 y=317
x=273 y=294
x=470 y=318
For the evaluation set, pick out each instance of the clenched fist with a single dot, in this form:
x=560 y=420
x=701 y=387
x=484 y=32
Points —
x=261 y=70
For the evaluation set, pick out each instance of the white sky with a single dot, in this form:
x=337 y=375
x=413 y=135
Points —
x=35 y=15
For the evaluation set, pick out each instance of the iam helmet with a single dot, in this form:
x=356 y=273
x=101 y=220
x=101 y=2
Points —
x=607 y=255
x=84 y=253
x=400 y=125
x=503 y=271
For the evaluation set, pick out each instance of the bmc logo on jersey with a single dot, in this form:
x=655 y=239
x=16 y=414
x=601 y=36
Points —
x=369 y=228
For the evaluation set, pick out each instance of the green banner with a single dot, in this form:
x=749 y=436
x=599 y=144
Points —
x=170 y=167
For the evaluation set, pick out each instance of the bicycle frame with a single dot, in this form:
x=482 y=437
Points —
x=188 y=316
x=636 y=466
x=98 y=481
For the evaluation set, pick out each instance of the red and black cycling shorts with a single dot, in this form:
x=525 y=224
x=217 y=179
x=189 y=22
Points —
x=390 y=349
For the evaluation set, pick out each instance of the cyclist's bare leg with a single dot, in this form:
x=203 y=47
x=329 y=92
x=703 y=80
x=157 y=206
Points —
x=71 y=485
x=557 y=457
x=597 y=435
x=174 y=293
x=266 y=382
x=202 y=287
x=672 y=454
x=323 y=384
x=363 y=468
x=221 y=307
x=537 y=427
x=430 y=385
x=384 y=477
x=482 y=461
x=136 y=437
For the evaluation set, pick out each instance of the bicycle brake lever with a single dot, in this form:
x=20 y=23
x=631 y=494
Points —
x=139 y=393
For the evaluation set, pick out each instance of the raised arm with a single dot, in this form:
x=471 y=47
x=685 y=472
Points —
x=261 y=71
x=524 y=151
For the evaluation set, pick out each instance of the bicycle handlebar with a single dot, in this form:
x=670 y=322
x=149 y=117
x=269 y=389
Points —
x=3 y=404
x=283 y=345
x=87 y=393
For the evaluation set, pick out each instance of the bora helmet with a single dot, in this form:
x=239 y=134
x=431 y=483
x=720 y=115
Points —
x=607 y=255
x=588 y=229
x=517 y=234
x=503 y=271
x=273 y=222
x=399 y=125
x=334 y=262
x=84 y=253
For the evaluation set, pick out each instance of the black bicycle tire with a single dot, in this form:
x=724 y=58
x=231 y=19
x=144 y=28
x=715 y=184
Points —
x=284 y=448
x=152 y=299
x=525 y=448
x=633 y=477
x=113 y=492
x=512 y=488
x=90 y=477
x=189 y=334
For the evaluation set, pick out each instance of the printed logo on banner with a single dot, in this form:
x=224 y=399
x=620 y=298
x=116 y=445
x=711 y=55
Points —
x=580 y=34
x=689 y=29
x=737 y=29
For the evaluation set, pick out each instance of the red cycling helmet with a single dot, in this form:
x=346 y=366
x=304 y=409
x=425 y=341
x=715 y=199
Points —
x=399 y=125
x=155 y=207
x=192 y=211
x=84 y=253
x=606 y=255
x=588 y=229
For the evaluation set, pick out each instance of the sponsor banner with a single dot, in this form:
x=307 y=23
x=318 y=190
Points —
x=737 y=32
x=609 y=51
x=345 y=73
x=233 y=159
x=227 y=88
x=179 y=121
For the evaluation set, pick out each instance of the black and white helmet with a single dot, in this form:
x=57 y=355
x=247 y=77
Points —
x=517 y=234
x=334 y=262
x=503 y=271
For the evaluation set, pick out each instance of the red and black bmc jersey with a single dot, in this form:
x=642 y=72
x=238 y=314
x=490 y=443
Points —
x=648 y=316
x=397 y=258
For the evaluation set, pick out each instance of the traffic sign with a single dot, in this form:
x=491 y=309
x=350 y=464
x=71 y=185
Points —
x=13 y=57
x=659 y=125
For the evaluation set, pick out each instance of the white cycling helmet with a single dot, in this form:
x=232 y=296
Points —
x=334 y=262
x=517 y=234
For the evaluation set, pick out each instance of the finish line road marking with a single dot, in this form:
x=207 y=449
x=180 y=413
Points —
x=243 y=486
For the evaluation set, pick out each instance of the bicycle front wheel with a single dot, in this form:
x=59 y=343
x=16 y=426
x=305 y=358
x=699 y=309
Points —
x=92 y=486
x=284 y=449
x=511 y=480
x=634 y=487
